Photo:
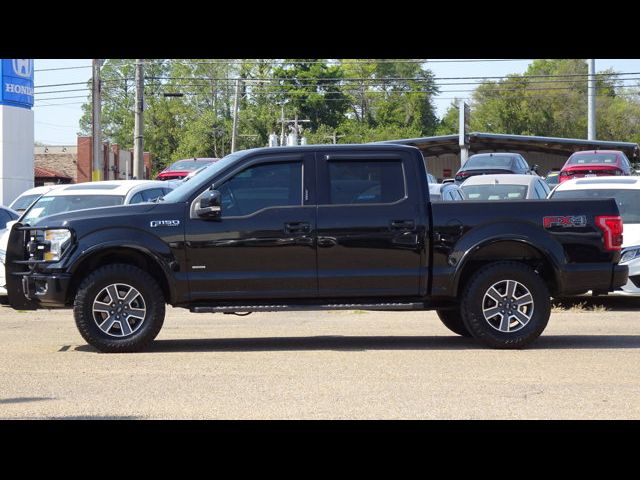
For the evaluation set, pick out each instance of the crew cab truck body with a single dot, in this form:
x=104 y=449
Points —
x=315 y=227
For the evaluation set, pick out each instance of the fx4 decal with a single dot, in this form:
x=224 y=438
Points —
x=565 y=221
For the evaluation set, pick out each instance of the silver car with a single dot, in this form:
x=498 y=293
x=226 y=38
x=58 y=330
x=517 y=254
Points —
x=505 y=187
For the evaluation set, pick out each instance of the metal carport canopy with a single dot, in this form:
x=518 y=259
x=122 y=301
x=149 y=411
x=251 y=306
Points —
x=439 y=145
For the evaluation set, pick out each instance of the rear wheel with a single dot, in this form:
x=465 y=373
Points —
x=119 y=308
x=452 y=319
x=506 y=305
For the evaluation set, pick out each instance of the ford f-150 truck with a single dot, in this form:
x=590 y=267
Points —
x=309 y=228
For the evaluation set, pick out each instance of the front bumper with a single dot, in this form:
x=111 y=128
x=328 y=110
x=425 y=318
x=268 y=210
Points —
x=598 y=277
x=48 y=291
x=31 y=282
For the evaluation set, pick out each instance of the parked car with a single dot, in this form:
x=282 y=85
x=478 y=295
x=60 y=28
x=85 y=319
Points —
x=313 y=228
x=445 y=192
x=486 y=163
x=505 y=187
x=25 y=199
x=553 y=178
x=180 y=169
x=80 y=196
x=626 y=191
x=6 y=215
x=596 y=163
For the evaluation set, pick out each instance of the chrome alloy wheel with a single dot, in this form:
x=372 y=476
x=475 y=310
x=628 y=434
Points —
x=119 y=310
x=507 y=306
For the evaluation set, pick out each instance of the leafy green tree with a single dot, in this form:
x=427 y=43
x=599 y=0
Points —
x=549 y=99
x=310 y=89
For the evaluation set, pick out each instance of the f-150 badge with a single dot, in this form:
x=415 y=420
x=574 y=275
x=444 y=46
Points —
x=164 y=223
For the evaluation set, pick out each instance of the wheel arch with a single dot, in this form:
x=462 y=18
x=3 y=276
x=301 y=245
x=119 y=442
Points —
x=129 y=255
x=512 y=249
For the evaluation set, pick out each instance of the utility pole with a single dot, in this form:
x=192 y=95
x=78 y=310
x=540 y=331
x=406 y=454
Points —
x=138 y=129
x=234 y=132
x=282 y=129
x=463 y=131
x=96 y=128
x=591 y=103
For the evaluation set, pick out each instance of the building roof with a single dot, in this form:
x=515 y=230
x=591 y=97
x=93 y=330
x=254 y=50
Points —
x=443 y=144
x=40 y=172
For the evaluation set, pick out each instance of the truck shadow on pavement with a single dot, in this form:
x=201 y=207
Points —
x=364 y=343
x=4 y=401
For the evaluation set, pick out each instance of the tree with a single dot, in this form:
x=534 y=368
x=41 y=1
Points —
x=391 y=93
x=550 y=99
x=345 y=101
x=310 y=89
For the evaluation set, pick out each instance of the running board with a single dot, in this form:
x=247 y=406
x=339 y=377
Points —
x=332 y=306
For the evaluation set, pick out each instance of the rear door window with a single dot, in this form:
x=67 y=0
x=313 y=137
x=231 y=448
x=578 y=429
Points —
x=362 y=182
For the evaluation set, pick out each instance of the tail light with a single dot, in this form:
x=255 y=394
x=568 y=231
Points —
x=611 y=227
x=565 y=176
x=462 y=175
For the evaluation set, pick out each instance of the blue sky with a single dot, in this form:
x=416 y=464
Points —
x=56 y=120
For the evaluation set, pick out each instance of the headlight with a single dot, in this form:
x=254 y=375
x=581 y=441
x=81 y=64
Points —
x=630 y=254
x=57 y=242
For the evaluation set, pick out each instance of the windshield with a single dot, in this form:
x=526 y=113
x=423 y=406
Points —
x=51 y=205
x=187 y=165
x=495 y=192
x=22 y=203
x=609 y=158
x=627 y=200
x=489 y=162
x=182 y=192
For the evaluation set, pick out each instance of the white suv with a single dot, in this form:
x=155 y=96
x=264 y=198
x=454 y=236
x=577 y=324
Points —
x=626 y=191
x=81 y=196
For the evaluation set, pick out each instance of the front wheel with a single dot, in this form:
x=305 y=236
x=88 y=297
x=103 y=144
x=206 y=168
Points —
x=506 y=305
x=119 y=308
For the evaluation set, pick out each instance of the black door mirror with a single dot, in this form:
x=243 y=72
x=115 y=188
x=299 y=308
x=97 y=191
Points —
x=209 y=205
x=535 y=168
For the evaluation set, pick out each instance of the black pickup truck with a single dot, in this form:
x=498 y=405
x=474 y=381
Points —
x=310 y=228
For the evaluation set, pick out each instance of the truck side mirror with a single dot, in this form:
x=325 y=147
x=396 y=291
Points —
x=209 y=205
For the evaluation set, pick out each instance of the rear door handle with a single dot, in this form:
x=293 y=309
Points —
x=403 y=225
x=297 y=227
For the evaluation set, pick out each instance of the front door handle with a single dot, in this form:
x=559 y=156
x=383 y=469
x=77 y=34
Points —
x=403 y=225
x=297 y=227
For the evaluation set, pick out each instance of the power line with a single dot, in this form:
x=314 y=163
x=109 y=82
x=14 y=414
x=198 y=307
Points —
x=60 y=68
x=377 y=84
x=614 y=77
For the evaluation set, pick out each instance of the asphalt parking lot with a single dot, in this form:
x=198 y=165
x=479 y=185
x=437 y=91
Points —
x=325 y=365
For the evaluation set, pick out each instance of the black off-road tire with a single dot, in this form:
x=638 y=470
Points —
x=115 y=274
x=474 y=294
x=452 y=319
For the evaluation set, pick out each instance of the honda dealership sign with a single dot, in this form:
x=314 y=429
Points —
x=16 y=127
x=17 y=82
